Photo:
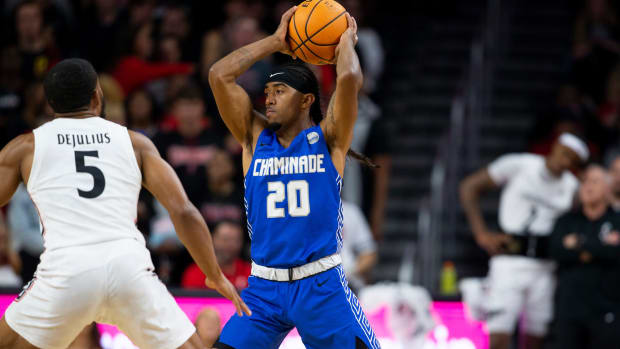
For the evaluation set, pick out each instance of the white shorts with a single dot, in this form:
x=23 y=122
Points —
x=123 y=291
x=520 y=286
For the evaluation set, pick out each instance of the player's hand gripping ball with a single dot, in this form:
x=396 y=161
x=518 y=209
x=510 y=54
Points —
x=315 y=29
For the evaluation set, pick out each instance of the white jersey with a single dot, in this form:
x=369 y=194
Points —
x=85 y=183
x=532 y=198
x=356 y=239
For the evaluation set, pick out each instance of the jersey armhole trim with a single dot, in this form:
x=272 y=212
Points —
x=260 y=136
x=34 y=167
x=132 y=156
x=329 y=154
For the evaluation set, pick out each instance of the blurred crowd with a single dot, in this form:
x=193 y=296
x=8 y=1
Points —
x=587 y=103
x=153 y=59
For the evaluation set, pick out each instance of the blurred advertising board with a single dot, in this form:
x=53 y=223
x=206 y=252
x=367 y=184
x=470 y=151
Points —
x=454 y=328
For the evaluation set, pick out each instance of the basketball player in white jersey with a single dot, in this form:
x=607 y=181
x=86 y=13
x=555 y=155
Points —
x=84 y=174
x=536 y=191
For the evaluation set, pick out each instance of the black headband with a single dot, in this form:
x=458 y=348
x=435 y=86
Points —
x=291 y=78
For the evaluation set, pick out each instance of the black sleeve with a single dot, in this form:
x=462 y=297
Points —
x=601 y=251
x=557 y=250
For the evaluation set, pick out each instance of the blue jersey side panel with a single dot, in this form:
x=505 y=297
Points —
x=292 y=199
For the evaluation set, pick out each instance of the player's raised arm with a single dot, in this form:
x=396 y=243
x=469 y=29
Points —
x=342 y=110
x=161 y=180
x=232 y=101
x=12 y=158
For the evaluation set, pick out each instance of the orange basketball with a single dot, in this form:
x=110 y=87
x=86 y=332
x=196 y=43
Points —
x=314 y=30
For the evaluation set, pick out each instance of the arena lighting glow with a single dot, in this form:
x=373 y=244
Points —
x=454 y=330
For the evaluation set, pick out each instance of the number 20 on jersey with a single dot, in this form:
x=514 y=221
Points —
x=298 y=199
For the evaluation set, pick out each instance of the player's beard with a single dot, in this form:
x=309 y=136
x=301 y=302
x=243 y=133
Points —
x=274 y=126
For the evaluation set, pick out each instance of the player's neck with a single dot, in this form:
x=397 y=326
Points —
x=595 y=210
x=77 y=115
x=552 y=171
x=287 y=134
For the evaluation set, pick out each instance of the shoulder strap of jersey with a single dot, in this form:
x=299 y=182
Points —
x=265 y=137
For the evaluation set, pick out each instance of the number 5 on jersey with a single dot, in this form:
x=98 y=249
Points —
x=98 y=177
x=298 y=199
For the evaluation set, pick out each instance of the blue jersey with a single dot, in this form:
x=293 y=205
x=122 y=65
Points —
x=292 y=200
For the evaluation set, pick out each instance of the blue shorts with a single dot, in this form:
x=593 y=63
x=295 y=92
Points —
x=322 y=307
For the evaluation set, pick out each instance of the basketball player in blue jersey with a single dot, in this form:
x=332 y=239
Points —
x=293 y=160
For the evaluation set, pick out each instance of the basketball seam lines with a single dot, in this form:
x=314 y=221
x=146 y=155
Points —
x=307 y=48
x=293 y=39
x=309 y=38
x=323 y=27
x=300 y=39
x=308 y=20
x=318 y=31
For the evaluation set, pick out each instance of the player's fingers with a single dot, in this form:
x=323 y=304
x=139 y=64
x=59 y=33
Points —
x=354 y=29
x=290 y=53
x=349 y=20
x=492 y=249
x=286 y=17
x=503 y=236
x=245 y=307
x=237 y=302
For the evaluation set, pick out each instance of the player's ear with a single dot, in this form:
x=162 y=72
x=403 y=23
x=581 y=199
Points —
x=307 y=100
x=97 y=97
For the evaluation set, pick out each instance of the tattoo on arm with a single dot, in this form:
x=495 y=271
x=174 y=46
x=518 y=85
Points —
x=331 y=119
x=245 y=58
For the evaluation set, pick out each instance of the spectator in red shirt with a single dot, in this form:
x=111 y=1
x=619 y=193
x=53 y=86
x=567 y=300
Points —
x=134 y=69
x=227 y=242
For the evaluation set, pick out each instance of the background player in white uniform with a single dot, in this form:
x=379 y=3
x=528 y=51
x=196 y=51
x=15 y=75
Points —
x=84 y=174
x=359 y=250
x=536 y=190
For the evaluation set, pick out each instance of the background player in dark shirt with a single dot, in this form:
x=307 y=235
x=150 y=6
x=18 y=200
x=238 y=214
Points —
x=586 y=245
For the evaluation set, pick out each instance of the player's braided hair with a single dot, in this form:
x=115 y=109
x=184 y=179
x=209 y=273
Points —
x=315 y=109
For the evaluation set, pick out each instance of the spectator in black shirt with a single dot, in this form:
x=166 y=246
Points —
x=11 y=97
x=586 y=245
x=101 y=25
x=191 y=144
x=614 y=192
x=35 y=41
